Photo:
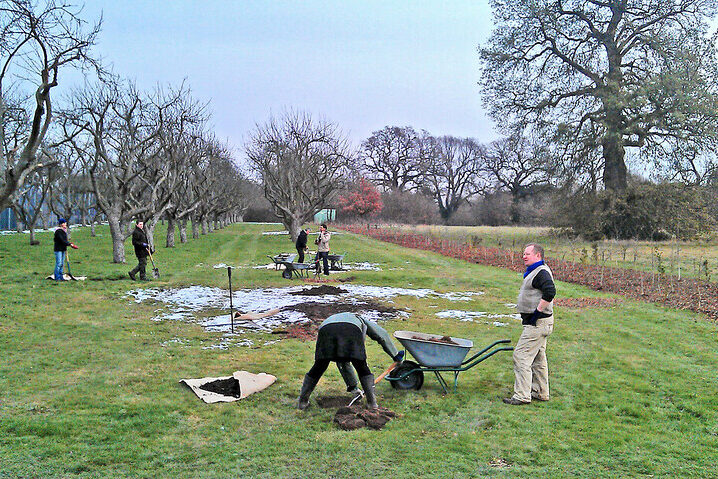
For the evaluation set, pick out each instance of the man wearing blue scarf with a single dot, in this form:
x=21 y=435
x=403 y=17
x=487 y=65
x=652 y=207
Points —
x=535 y=304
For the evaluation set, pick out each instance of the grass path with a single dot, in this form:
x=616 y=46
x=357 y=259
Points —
x=89 y=384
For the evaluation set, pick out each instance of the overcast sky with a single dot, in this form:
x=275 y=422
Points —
x=361 y=64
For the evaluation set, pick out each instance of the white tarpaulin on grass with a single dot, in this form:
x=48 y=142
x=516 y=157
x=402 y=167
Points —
x=249 y=383
x=68 y=278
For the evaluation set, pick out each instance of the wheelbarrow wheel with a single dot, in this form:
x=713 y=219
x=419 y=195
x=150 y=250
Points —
x=286 y=274
x=413 y=381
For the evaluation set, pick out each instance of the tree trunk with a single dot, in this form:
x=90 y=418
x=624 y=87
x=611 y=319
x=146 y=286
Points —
x=32 y=235
x=195 y=228
x=615 y=172
x=514 y=209
x=150 y=233
x=170 y=233
x=293 y=225
x=203 y=222
x=92 y=228
x=183 y=231
x=118 y=240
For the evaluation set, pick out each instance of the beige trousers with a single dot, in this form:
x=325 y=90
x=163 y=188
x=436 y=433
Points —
x=530 y=365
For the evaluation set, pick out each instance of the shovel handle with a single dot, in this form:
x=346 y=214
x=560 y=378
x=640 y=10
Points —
x=388 y=370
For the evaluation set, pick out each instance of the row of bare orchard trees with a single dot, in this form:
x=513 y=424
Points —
x=304 y=164
x=110 y=149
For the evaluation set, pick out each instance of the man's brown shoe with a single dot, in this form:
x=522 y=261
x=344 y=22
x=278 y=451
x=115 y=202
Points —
x=537 y=398
x=515 y=402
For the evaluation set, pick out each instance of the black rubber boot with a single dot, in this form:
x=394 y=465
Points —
x=349 y=376
x=307 y=388
x=367 y=382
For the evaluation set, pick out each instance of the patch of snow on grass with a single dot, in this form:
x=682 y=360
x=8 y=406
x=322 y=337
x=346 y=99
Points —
x=470 y=316
x=185 y=304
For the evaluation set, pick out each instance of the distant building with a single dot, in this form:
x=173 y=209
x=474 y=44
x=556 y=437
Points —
x=325 y=216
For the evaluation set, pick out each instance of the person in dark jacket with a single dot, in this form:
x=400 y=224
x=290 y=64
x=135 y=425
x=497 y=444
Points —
x=61 y=244
x=341 y=339
x=139 y=241
x=302 y=244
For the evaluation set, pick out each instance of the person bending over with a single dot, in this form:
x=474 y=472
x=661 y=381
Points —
x=341 y=339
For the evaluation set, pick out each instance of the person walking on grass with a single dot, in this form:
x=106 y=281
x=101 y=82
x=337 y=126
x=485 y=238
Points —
x=301 y=244
x=139 y=241
x=322 y=243
x=535 y=304
x=341 y=339
x=61 y=244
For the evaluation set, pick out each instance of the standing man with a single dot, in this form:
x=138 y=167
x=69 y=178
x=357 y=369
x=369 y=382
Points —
x=139 y=241
x=302 y=243
x=61 y=244
x=535 y=303
x=322 y=243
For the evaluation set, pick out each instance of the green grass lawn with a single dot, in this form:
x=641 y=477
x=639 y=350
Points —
x=89 y=383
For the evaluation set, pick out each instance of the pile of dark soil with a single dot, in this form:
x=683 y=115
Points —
x=226 y=387
x=320 y=291
x=443 y=339
x=318 y=312
x=357 y=416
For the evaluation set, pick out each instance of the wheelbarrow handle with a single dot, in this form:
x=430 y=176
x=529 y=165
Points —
x=500 y=341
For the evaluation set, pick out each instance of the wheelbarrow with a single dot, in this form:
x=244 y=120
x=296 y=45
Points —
x=437 y=354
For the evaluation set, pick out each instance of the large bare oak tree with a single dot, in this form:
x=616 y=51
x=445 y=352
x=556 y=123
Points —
x=614 y=73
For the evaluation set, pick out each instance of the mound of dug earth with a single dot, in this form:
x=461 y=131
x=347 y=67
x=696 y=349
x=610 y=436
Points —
x=357 y=416
x=318 y=312
x=320 y=291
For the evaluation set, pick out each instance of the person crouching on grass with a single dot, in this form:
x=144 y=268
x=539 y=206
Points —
x=341 y=339
x=535 y=303
x=61 y=244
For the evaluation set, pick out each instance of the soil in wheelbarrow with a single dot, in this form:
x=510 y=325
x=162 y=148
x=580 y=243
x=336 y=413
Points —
x=226 y=387
x=318 y=312
x=442 y=340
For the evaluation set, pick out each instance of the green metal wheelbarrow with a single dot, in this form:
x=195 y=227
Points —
x=437 y=354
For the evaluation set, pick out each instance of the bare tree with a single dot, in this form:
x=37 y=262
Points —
x=613 y=73
x=28 y=203
x=300 y=162
x=392 y=158
x=119 y=145
x=454 y=168
x=36 y=39
x=517 y=164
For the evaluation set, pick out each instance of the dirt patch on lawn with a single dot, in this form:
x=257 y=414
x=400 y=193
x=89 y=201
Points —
x=357 y=416
x=318 y=312
x=226 y=387
x=582 y=303
x=320 y=291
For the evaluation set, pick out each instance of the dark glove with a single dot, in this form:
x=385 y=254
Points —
x=399 y=358
x=145 y=245
x=534 y=317
x=73 y=246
